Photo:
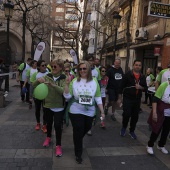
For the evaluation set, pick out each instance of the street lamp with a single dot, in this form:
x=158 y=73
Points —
x=116 y=23
x=8 y=8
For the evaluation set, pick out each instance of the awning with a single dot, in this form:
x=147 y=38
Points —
x=147 y=44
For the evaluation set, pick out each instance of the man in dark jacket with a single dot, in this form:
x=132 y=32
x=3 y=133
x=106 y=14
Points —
x=132 y=85
x=115 y=74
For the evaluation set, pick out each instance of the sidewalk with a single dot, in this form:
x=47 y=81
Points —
x=21 y=146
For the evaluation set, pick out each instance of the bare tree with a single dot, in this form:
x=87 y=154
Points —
x=105 y=30
x=24 y=7
x=75 y=34
x=39 y=25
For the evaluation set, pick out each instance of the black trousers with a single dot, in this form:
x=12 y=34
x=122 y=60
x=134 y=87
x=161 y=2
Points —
x=131 y=109
x=57 y=117
x=164 y=134
x=81 y=125
x=28 y=91
x=38 y=105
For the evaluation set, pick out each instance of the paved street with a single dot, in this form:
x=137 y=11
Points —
x=21 y=146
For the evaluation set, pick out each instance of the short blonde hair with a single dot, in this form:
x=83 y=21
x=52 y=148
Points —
x=59 y=62
x=67 y=65
x=89 y=74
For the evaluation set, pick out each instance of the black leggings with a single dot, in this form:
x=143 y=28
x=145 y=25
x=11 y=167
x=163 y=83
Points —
x=58 y=119
x=81 y=125
x=38 y=105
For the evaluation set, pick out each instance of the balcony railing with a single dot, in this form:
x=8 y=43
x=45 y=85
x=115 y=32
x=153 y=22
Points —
x=121 y=37
x=113 y=7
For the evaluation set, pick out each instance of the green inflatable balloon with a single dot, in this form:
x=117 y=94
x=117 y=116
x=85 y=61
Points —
x=41 y=91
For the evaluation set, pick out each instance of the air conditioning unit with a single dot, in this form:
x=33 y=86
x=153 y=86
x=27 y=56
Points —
x=141 y=33
x=157 y=37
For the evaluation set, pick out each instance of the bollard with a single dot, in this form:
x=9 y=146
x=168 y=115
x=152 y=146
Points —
x=2 y=100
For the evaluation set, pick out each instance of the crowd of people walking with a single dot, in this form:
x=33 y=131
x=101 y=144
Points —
x=79 y=93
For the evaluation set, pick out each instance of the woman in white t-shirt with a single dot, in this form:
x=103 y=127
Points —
x=84 y=92
x=159 y=119
x=42 y=71
x=29 y=74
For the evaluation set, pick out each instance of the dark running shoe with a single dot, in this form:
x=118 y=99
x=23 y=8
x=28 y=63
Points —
x=113 y=117
x=79 y=160
x=132 y=135
x=123 y=132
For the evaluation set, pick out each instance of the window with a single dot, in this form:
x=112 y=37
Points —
x=59 y=1
x=57 y=42
x=70 y=24
x=71 y=17
x=70 y=10
x=71 y=1
x=59 y=9
x=59 y=18
x=68 y=36
x=148 y=19
x=89 y=17
x=58 y=34
x=91 y=42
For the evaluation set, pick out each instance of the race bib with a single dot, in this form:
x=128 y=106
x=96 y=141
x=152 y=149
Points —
x=118 y=76
x=83 y=99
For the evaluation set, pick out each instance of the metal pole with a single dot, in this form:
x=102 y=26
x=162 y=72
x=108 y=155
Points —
x=114 y=50
x=23 y=36
x=7 y=57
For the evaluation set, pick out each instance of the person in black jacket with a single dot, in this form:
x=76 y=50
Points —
x=115 y=74
x=2 y=70
x=132 y=85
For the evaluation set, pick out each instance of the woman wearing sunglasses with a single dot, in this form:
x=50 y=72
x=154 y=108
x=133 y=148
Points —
x=67 y=70
x=83 y=92
x=103 y=84
x=54 y=102
x=41 y=67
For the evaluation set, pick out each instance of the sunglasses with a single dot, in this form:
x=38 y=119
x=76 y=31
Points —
x=44 y=65
x=103 y=71
x=53 y=66
x=80 y=69
x=67 y=70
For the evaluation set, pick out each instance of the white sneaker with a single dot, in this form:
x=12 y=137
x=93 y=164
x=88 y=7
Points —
x=149 y=150
x=163 y=149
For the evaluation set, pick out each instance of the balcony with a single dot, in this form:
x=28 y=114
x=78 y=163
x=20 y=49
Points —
x=121 y=37
x=114 y=7
x=123 y=3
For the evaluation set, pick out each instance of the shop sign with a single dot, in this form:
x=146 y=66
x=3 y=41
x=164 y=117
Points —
x=157 y=51
x=157 y=9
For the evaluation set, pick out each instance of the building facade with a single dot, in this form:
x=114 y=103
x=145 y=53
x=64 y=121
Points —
x=15 y=38
x=149 y=35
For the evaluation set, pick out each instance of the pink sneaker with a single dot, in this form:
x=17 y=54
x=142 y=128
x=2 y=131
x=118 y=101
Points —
x=38 y=126
x=47 y=142
x=58 y=150
x=102 y=125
